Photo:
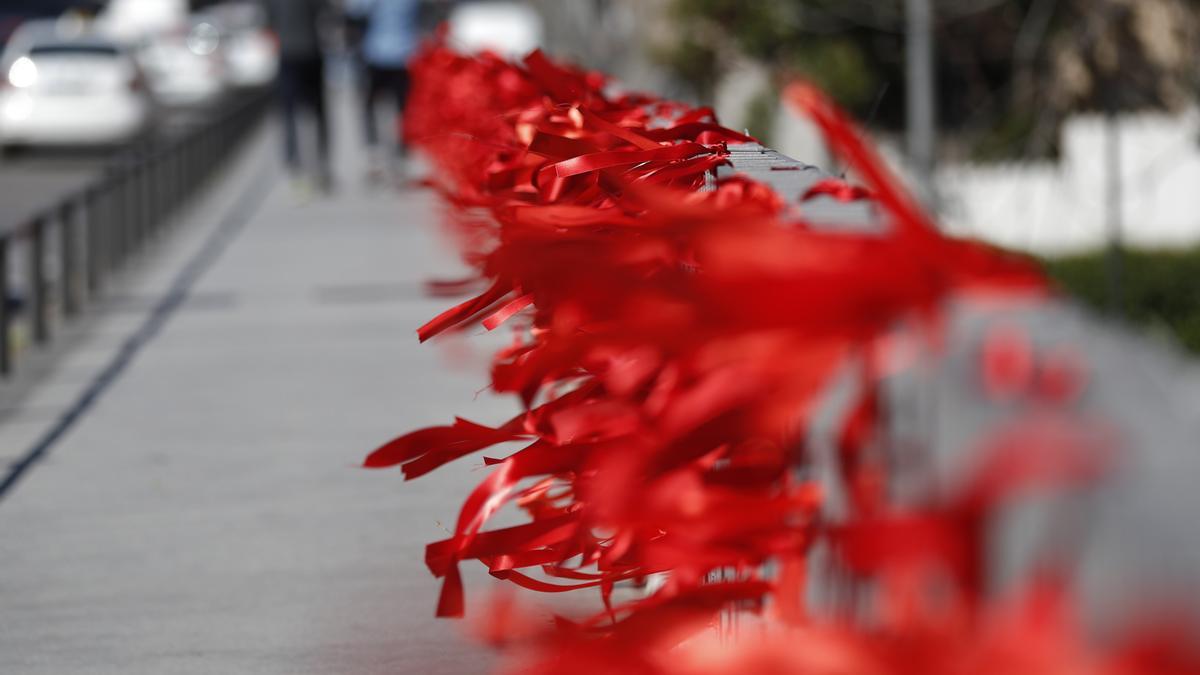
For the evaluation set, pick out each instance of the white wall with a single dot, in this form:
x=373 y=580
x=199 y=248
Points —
x=1057 y=207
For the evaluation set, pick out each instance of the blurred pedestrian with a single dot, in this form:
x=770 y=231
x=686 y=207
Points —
x=297 y=25
x=392 y=32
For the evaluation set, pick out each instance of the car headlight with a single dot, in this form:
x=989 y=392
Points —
x=23 y=73
x=204 y=39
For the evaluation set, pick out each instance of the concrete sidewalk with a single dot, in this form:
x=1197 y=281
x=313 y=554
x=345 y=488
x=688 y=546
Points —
x=206 y=514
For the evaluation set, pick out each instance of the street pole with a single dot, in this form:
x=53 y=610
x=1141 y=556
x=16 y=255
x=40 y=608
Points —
x=922 y=97
x=1115 y=225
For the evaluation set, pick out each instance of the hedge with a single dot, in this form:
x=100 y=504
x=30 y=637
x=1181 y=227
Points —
x=1160 y=289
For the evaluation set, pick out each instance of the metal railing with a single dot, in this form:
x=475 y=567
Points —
x=71 y=248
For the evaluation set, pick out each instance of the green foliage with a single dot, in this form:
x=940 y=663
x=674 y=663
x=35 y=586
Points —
x=1009 y=71
x=1013 y=135
x=778 y=34
x=759 y=29
x=837 y=65
x=693 y=61
x=760 y=117
x=1161 y=289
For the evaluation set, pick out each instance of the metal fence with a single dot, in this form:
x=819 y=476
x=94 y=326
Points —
x=69 y=250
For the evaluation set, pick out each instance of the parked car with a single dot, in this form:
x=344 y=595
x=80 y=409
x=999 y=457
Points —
x=250 y=52
x=184 y=65
x=510 y=29
x=65 y=85
x=133 y=21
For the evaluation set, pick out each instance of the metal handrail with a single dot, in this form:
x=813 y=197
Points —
x=102 y=225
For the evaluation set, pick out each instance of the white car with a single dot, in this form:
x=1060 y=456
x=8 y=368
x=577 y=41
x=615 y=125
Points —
x=63 y=85
x=184 y=65
x=132 y=21
x=509 y=29
x=250 y=51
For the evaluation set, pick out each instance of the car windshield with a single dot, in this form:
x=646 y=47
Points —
x=73 y=49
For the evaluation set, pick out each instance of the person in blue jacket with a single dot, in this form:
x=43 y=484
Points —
x=391 y=35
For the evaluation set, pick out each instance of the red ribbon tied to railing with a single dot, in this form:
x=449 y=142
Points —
x=673 y=335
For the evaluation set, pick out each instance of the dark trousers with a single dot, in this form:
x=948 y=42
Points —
x=302 y=87
x=384 y=82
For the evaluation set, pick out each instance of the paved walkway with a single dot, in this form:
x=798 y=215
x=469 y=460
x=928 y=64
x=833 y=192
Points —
x=205 y=514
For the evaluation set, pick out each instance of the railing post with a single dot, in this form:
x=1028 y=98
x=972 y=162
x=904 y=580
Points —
x=5 y=312
x=211 y=143
x=146 y=180
x=149 y=198
x=112 y=202
x=162 y=188
x=188 y=151
x=175 y=166
x=124 y=214
x=133 y=210
x=69 y=259
x=38 y=314
x=146 y=164
x=182 y=175
x=96 y=222
x=155 y=164
x=140 y=203
x=113 y=208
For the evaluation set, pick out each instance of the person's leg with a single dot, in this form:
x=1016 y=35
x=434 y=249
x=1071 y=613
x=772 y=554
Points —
x=377 y=149
x=288 y=85
x=315 y=84
x=372 y=91
x=402 y=84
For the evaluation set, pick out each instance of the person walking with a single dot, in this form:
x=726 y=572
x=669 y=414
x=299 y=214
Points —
x=301 y=80
x=391 y=36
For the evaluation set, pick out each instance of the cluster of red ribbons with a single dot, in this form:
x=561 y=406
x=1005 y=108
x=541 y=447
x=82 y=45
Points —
x=672 y=336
